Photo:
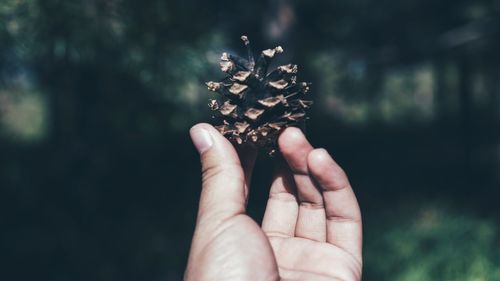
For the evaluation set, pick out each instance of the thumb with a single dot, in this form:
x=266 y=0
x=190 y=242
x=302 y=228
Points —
x=223 y=192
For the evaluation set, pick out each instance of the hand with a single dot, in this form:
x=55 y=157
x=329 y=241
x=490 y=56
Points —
x=312 y=224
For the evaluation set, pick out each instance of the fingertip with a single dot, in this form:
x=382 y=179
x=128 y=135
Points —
x=290 y=138
x=206 y=138
x=204 y=126
x=325 y=170
x=294 y=146
x=318 y=162
x=199 y=125
x=214 y=133
x=201 y=137
x=318 y=158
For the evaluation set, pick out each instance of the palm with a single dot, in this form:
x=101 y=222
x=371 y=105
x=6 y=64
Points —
x=311 y=228
x=244 y=244
x=236 y=252
x=302 y=259
x=243 y=247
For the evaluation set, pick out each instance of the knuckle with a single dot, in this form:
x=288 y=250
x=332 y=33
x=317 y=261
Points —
x=312 y=205
x=343 y=218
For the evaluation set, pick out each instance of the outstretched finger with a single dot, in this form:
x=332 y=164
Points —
x=343 y=216
x=223 y=192
x=311 y=218
x=282 y=207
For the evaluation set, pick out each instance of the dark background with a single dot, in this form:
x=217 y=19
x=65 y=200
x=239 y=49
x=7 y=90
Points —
x=99 y=180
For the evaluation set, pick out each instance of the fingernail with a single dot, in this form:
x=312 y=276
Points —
x=201 y=139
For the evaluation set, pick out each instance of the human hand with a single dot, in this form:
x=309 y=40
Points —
x=311 y=228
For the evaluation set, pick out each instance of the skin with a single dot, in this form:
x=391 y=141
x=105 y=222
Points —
x=312 y=224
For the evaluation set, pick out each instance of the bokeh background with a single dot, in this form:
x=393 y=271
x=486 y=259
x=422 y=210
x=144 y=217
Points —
x=98 y=177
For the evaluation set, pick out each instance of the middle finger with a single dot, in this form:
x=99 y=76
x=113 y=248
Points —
x=311 y=220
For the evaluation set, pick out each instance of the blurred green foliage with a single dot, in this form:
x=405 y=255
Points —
x=99 y=180
x=432 y=242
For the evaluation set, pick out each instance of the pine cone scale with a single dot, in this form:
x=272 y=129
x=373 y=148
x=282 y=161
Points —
x=254 y=105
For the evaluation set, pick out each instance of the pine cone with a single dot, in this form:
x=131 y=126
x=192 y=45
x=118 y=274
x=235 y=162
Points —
x=254 y=106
